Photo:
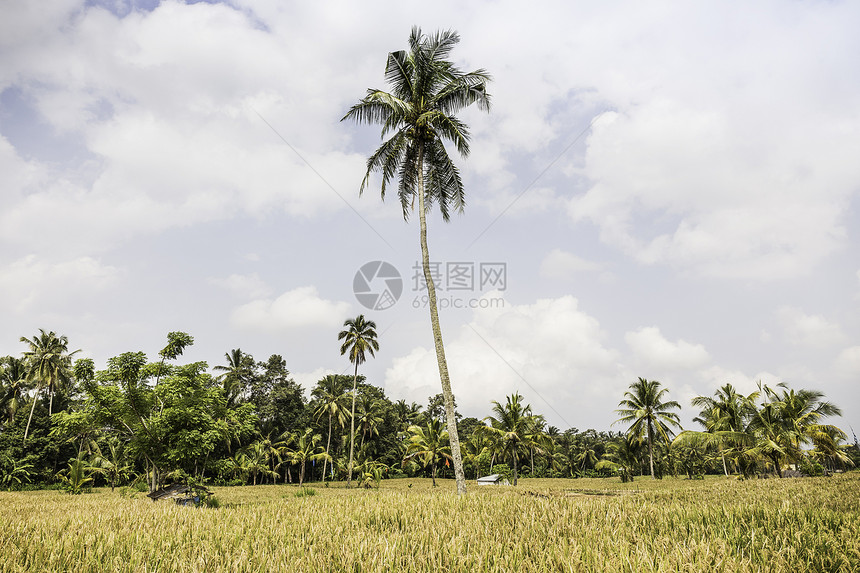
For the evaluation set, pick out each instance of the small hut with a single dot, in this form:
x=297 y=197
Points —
x=494 y=479
x=179 y=493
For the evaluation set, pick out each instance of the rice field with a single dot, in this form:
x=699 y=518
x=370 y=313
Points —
x=718 y=524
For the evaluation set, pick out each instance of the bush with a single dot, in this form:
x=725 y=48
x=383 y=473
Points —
x=810 y=467
x=306 y=492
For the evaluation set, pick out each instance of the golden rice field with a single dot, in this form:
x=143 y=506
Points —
x=718 y=524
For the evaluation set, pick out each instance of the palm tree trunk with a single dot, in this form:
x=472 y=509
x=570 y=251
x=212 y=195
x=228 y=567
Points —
x=651 y=450
x=448 y=395
x=352 y=426
x=302 y=475
x=30 y=418
x=327 y=444
x=725 y=469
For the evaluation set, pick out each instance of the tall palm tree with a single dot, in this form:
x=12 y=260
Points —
x=49 y=365
x=644 y=407
x=426 y=91
x=330 y=393
x=359 y=340
x=512 y=424
x=429 y=444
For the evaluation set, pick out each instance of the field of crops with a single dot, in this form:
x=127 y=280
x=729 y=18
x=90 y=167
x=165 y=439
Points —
x=810 y=524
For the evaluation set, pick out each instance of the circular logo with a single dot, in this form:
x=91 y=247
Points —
x=377 y=285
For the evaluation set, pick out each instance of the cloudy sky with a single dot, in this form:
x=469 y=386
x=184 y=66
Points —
x=668 y=190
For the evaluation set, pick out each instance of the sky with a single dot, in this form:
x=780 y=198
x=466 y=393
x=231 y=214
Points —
x=666 y=190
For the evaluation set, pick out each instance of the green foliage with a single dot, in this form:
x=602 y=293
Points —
x=305 y=492
x=76 y=478
x=14 y=471
x=504 y=470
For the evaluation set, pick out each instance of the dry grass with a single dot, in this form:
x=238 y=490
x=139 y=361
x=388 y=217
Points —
x=541 y=525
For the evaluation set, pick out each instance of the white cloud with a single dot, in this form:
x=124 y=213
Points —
x=245 y=286
x=847 y=364
x=653 y=351
x=295 y=309
x=32 y=283
x=562 y=264
x=813 y=331
x=308 y=380
x=699 y=167
x=550 y=351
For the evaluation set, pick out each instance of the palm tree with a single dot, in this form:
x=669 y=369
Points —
x=236 y=374
x=113 y=465
x=724 y=416
x=369 y=417
x=622 y=456
x=49 y=365
x=306 y=449
x=407 y=414
x=359 y=339
x=429 y=445
x=427 y=90
x=649 y=414
x=13 y=386
x=828 y=448
x=330 y=393
x=512 y=424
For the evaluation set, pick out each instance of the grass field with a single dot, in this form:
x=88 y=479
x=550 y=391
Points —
x=718 y=524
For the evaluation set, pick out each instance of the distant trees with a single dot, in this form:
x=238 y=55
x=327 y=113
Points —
x=161 y=421
x=771 y=425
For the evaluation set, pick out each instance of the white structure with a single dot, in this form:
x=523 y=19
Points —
x=494 y=479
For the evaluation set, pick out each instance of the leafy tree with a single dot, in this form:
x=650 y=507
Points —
x=278 y=399
x=429 y=445
x=48 y=362
x=359 y=339
x=426 y=91
x=647 y=412
x=177 y=342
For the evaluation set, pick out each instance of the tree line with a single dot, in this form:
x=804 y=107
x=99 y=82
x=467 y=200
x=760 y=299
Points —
x=150 y=422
